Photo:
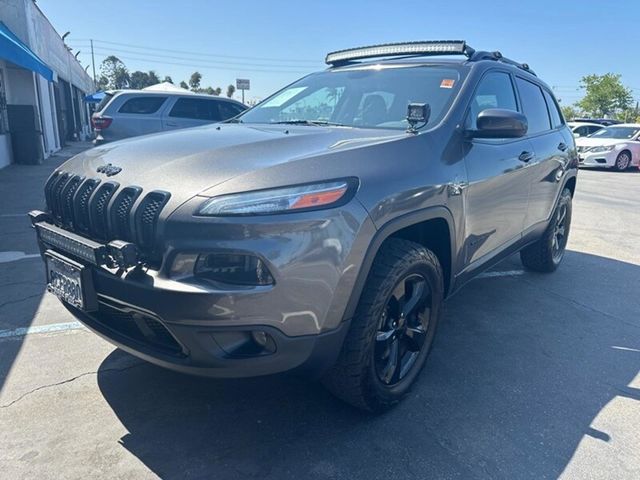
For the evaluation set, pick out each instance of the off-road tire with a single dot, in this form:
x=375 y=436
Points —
x=353 y=378
x=540 y=256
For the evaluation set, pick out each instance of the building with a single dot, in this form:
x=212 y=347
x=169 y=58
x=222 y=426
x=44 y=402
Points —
x=42 y=86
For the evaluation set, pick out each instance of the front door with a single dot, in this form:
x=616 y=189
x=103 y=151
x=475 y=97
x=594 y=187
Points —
x=496 y=199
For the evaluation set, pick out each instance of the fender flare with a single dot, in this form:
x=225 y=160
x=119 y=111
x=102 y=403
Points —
x=388 y=229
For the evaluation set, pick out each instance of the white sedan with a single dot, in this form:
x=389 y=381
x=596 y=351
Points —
x=584 y=129
x=617 y=147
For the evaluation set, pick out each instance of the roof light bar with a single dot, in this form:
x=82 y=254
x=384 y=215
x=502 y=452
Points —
x=447 y=47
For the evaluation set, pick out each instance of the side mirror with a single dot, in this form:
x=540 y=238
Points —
x=499 y=123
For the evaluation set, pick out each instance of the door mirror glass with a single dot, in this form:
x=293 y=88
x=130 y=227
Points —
x=500 y=123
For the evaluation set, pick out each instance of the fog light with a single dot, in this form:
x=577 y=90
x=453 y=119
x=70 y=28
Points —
x=263 y=340
x=259 y=337
x=234 y=269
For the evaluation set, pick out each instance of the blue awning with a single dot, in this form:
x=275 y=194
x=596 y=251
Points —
x=13 y=50
x=95 y=98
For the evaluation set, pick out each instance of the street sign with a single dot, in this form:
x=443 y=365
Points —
x=242 y=84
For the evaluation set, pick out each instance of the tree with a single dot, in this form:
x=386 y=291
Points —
x=230 y=91
x=153 y=77
x=570 y=112
x=605 y=95
x=167 y=79
x=114 y=72
x=218 y=91
x=184 y=85
x=194 y=81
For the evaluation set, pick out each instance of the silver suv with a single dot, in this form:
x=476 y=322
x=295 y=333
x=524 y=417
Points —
x=129 y=113
x=323 y=228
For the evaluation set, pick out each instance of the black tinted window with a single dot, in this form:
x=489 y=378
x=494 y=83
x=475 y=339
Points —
x=196 y=108
x=533 y=106
x=142 y=105
x=554 y=111
x=228 y=110
x=494 y=91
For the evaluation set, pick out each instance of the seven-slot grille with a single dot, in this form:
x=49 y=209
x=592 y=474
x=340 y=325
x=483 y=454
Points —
x=103 y=211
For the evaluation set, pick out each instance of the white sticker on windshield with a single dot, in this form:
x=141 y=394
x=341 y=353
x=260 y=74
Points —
x=281 y=98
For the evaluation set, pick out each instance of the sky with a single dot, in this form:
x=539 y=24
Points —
x=273 y=42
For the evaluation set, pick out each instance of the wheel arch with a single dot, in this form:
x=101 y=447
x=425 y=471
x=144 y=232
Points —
x=432 y=228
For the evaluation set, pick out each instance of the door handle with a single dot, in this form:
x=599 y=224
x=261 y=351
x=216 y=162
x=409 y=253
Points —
x=562 y=146
x=525 y=157
x=171 y=124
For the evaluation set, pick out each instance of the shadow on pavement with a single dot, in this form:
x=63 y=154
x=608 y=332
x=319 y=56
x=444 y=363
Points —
x=22 y=282
x=520 y=369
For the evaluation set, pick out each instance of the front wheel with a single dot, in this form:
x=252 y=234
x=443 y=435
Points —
x=547 y=253
x=622 y=161
x=391 y=333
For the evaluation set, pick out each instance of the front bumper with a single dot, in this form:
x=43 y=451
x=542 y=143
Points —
x=196 y=328
x=601 y=159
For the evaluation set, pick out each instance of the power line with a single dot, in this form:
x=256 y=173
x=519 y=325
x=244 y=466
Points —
x=140 y=47
x=215 y=67
x=173 y=57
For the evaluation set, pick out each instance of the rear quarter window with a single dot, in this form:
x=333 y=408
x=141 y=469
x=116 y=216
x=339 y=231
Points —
x=142 y=105
x=554 y=110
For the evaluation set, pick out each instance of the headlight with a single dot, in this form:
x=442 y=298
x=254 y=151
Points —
x=602 y=148
x=282 y=200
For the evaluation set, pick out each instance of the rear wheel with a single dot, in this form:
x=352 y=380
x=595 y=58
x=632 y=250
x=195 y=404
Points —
x=547 y=253
x=622 y=161
x=391 y=333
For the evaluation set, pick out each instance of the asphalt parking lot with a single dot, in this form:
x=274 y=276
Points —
x=531 y=376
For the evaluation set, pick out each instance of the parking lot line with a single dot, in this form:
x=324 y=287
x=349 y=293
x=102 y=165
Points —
x=52 y=328
x=13 y=256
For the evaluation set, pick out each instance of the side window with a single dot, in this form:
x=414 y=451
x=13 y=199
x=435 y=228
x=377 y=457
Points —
x=591 y=130
x=582 y=131
x=554 y=111
x=229 y=110
x=142 y=105
x=494 y=91
x=533 y=106
x=195 y=108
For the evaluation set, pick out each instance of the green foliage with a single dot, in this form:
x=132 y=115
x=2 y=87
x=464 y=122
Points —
x=113 y=73
x=231 y=90
x=194 y=81
x=184 y=85
x=605 y=95
x=167 y=79
x=570 y=112
x=139 y=80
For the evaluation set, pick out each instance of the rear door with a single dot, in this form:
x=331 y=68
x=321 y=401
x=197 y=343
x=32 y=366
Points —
x=497 y=195
x=551 y=144
x=191 y=112
x=137 y=115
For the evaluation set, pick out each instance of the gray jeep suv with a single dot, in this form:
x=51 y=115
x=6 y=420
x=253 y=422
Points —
x=322 y=229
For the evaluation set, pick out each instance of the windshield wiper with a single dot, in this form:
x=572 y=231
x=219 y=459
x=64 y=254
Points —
x=310 y=122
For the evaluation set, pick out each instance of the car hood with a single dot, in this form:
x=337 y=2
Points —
x=593 y=142
x=188 y=162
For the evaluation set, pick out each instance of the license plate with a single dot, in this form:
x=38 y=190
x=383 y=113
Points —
x=70 y=281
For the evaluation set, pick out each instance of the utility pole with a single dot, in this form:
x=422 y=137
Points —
x=93 y=63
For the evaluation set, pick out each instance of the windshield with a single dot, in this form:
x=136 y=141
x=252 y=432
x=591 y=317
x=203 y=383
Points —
x=617 y=132
x=366 y=98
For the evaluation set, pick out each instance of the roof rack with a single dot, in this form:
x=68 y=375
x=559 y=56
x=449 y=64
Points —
x=419 y=49
x=498 y=57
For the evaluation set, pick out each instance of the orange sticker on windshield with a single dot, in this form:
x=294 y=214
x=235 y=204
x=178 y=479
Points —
x=447 y=83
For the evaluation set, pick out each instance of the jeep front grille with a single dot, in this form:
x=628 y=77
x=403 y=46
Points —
x=104 y=211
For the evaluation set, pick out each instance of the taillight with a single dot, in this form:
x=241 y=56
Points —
x=100 y=123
